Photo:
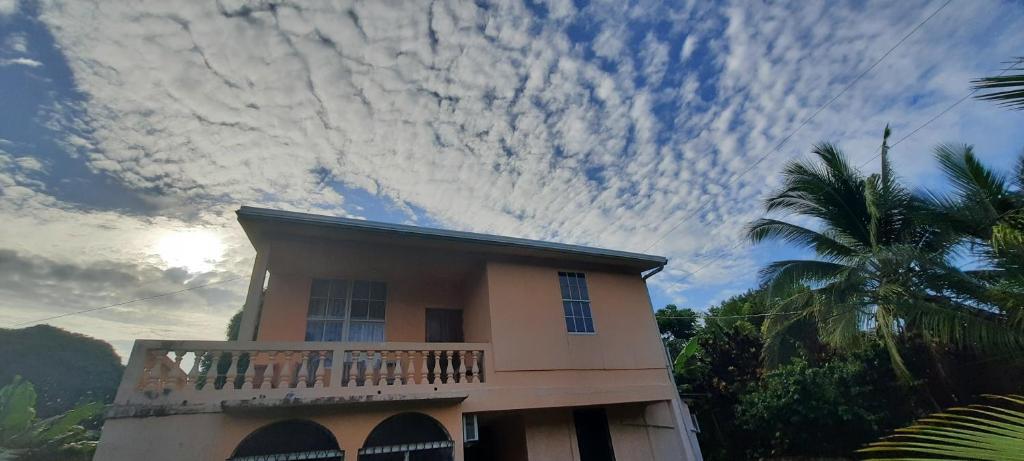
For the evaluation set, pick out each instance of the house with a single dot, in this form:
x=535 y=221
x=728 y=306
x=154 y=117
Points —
x=373 y=341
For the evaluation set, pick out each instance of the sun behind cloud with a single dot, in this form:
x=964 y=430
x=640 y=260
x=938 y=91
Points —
x=195 y=250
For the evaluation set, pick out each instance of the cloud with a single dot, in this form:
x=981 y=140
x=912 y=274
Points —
x=16 y=43
x=35 y=287
x=606 y=124
x=20 y=62
x=8 y=7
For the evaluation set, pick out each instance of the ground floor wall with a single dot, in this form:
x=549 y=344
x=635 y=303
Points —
x=638 y=431
x=214 y=436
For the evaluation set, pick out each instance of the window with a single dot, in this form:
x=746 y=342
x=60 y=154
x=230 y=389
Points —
x=353 y=310
x=576 y=302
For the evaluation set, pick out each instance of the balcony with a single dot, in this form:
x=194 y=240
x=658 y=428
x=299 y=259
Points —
x=180 y=377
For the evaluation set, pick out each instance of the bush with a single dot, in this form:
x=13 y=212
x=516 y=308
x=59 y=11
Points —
x=831 y=410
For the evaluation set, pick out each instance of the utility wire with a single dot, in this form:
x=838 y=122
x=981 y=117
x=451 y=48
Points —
x=786 y=139
x=879 y=152
x=122 y=303
x=937 y=116
x=741 y=316
x=656 y=241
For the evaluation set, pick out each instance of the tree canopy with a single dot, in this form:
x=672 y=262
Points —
x=65 y=368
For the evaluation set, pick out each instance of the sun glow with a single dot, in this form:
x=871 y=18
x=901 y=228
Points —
x=195 y=250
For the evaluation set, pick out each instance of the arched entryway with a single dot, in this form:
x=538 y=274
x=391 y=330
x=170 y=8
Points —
x=407 y=437
x=289 y=440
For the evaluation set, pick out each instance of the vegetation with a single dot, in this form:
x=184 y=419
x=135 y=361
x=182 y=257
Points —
x=885 y=264
x=59 y=437
x=47 y=356
x=983 y=432
x=911 y=302
x=1007 y=90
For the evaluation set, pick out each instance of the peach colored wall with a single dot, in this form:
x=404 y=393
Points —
x=214 y=436
x=550 y=435
x=477 y=314
x=526 y=301
x=416 y=280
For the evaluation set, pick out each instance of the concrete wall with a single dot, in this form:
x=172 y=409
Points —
x=416 y=280
x=214 y=436
x=551 y=434
x=526 y=301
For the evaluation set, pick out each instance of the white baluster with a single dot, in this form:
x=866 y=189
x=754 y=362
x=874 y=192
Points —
x=461 y=376
x=477 y=369
x=424 y=359
x=232 y=373
x=385 y=376
x=250 y=371
x=353 y=369
x=438 y=369
x=211 y=374
x=179 y=375
x=398 y=369
x=286 y=372
x=268 y=371
x=320 y=367
x=193 y=374
x=303 y=370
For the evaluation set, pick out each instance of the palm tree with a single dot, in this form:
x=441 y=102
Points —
x=983 y=432
x=1007 y=90
x=883 y=267
x=986 y=209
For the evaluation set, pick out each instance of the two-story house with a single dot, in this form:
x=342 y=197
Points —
x=373 y=341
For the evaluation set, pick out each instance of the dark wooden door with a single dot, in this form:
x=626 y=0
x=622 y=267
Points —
x=444 y=326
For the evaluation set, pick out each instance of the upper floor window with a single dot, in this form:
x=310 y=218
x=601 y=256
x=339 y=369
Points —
x=576 y=302
x=352 y=310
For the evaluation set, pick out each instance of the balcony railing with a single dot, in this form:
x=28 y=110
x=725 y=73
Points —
x=179 y=372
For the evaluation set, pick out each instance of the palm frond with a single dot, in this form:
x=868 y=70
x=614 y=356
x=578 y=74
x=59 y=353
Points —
x=977 y=432
x=823 y=244
x=1007 y=90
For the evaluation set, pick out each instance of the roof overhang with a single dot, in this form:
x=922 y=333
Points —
x=261 y=224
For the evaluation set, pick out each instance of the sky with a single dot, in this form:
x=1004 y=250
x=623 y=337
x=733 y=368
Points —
x=131 y=131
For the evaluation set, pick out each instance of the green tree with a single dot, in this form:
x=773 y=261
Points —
x=831 y=410
x=986 y=210
x=60 y=437
x=883 y=265
x=677 y=326
x=47 y=356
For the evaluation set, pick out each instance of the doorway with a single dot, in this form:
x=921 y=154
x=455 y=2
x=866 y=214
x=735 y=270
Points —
x=592 y=435
x=443 y=326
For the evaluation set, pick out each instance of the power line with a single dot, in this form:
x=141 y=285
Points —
x=935 y=117
x=879 y=152
x=802 y=124
x=122 y=303
x=705 y=316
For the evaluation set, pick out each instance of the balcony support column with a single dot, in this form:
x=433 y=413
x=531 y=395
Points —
x=254 y=298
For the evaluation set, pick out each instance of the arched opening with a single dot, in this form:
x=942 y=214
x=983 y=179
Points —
x=289 y=440
x=407 y=437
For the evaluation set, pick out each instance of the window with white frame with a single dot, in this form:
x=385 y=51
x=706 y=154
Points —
x=349 y=309
x=576 y=302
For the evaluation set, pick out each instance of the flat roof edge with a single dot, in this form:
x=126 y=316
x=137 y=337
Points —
x=248 y=212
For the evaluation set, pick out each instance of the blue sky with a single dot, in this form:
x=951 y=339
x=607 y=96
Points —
x=132 y=130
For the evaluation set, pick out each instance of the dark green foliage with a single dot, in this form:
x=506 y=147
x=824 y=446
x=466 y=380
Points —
x=677 y=326
x=1007 y=90
x=832 y=410
x=66 y=368
x=234 y=325
x=25 y=437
